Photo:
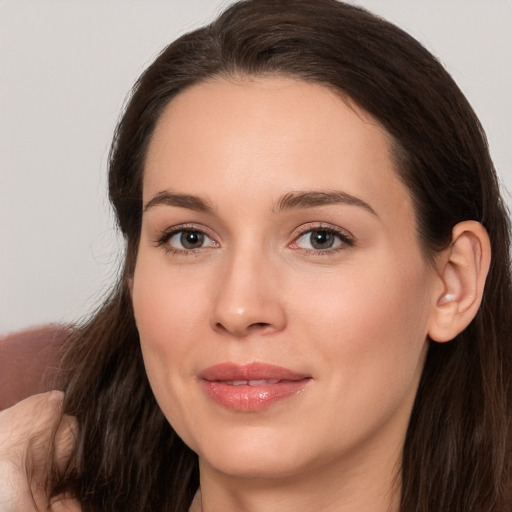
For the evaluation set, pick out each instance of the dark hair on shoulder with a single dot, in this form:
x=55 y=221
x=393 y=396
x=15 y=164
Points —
x=457 y=453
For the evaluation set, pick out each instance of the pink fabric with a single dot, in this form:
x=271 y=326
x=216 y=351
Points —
x=28 y=362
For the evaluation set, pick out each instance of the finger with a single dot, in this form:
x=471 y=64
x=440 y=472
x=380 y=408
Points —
x=64 y=442
x=28 y=424
x=62 y=504
x=26 y=434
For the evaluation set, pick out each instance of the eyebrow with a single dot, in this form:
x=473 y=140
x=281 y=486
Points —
x=292 y=200
x=180 y=200
x=310 y=199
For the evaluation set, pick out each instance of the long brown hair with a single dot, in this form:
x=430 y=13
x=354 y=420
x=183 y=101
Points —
x=457 y=452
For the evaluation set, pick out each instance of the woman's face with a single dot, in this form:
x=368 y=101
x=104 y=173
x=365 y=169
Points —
x=280 y=292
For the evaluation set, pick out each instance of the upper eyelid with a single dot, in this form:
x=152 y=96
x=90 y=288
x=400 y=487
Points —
x=344 y=236
x=188 y=227
x=304 y=228
x=319 y=226
x=163 y=236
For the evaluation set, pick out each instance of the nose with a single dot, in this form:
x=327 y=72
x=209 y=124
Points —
x=249 y=298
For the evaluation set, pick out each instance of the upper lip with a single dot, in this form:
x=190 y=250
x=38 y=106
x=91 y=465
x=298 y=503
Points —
x=251 y=371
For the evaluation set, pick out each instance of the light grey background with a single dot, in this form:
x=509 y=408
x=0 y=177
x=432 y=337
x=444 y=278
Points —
x=65 y=69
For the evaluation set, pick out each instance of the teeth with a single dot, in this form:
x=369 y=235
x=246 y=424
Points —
x=258 y=382
x=263 y=381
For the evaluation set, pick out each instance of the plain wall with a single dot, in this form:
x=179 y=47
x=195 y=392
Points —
x=66 y=67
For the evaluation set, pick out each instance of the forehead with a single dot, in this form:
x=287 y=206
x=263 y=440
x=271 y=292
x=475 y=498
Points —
x=269 y=136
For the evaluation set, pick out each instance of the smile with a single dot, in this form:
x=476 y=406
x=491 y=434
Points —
x=251 y=387
x=259 y=382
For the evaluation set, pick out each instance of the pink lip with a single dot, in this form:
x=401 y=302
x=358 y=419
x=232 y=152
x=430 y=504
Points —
x=223 y=383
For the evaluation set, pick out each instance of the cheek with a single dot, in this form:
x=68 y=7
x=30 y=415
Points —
x=169 y=313
x=167 y=303
x=368 y=334
x=374 y=296
x=370 y=326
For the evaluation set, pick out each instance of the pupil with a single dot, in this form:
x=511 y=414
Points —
x=191 y=239
x=322 y=239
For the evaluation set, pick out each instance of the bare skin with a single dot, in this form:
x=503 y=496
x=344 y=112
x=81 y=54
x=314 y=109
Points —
x=276 y=231
x=26 y=433
x=259 y=157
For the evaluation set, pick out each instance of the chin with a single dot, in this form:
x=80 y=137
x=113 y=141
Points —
x=256 y=455
x=252 y=466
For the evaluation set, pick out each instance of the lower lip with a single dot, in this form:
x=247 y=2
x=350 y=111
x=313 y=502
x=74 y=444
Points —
x=252 y=398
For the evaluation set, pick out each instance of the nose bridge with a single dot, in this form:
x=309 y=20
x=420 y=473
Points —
x=248 y=298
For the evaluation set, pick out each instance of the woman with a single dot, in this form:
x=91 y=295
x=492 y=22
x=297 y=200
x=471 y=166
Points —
x=308 y=317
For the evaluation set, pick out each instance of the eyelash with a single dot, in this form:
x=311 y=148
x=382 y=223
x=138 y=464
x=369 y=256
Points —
x=344 y=237
x=163 y=239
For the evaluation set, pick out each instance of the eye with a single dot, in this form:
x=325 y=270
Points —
x=319 y=239
x=322 y=240
x=186 y=240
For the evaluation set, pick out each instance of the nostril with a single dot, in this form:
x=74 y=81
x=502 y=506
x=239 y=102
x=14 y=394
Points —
x=220 y=327
x=242 y=330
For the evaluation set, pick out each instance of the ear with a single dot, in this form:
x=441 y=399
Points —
x=462 y=269
x=130 y=286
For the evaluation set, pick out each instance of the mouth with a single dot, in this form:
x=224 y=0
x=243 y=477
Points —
x=259 y=382
x=251 y=387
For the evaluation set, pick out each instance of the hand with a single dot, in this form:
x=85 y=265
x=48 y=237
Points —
x=27 y=431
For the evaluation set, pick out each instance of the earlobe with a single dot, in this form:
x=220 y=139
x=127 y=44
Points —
x=462 y=268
